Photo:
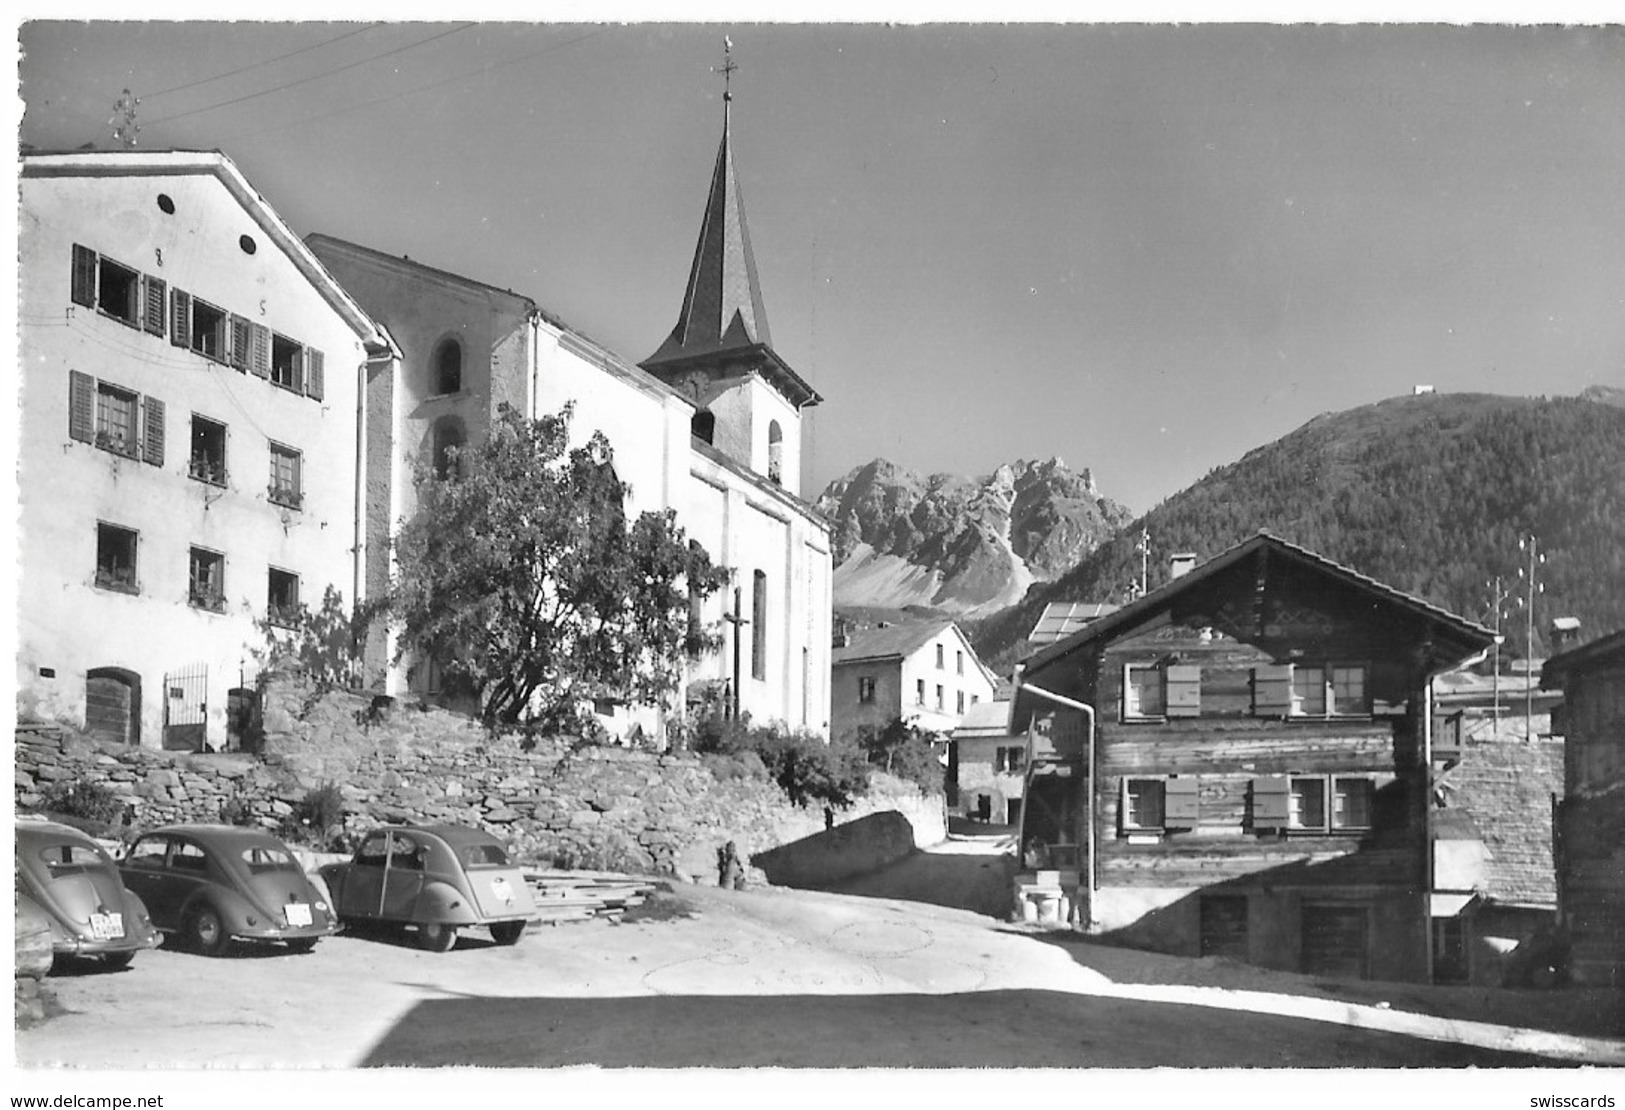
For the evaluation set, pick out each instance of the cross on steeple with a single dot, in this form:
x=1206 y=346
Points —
x=727 y=67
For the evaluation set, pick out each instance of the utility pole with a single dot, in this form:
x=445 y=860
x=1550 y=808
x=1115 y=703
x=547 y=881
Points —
x=1143 y=544
x=1498 y=598
x=1531 y=546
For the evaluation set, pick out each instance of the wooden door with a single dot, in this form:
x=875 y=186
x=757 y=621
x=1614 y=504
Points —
x=1334 y=941
x=109 y=708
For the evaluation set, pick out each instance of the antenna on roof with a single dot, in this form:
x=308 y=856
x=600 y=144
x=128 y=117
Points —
x=122 y=120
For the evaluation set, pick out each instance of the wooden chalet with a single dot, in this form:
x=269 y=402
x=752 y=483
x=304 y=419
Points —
x=1237 y=764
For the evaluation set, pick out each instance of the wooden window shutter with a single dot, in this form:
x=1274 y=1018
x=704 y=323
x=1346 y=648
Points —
x=299 y=364
x=1271 y=798
x=1184 y=690
x=242 y=342
x=1272 y=691
x=84 y=276
x=81 y=407
x=315 y=374
x=1180 y=802
x=260 y=364
x=153 y=443
x=152 y=316
x=180 y=312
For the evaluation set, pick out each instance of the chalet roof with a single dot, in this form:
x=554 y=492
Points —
x=157 y=163
x=1501 y=794
x=1472 y=636
x=983 y=720
x=1062 y=618
x=1603 y=651
x=894 y=641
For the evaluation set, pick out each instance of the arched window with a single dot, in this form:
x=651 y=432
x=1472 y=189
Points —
x=704 y=425
x=448 y=367
x=775 y=452
x=449 y=439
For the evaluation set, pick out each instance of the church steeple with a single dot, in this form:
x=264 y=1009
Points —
x=722 y=328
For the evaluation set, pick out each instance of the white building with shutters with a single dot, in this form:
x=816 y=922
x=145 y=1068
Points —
x=188 y=457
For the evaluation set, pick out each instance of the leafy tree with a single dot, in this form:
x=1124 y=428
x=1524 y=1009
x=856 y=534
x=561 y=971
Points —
x=325 y=644
x=904 y=749
x=522 y=579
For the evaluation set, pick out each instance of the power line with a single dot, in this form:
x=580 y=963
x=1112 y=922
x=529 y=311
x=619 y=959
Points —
x=257 y=65
x=307 y=80
x=424 y=88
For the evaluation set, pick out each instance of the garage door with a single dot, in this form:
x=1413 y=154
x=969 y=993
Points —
x=1334 y=939
x=1224 y=925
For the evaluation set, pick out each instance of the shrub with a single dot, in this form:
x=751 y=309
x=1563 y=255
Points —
x=806 y=768
x=317 y=818
x=91 y=802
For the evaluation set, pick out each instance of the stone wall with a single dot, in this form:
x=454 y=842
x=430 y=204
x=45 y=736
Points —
x=558 y=804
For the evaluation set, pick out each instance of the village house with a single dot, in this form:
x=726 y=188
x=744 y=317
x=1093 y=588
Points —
x=708 y=427
x=1591 y=817
x=1238 y=764
x=987 y=765
x=187 y=458
x=922 y=672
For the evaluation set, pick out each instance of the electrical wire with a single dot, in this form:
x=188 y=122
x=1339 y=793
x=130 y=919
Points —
x=258 y=65
x=308 y=80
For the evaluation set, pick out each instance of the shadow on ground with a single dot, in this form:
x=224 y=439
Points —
x=997 y=1029
x=1591 y=1012
x=979 y=883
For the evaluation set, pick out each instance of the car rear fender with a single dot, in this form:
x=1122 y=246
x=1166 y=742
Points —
x=233 y=908
x=443 y=904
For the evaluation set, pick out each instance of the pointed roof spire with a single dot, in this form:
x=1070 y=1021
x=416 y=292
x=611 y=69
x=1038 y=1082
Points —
x=722 y=304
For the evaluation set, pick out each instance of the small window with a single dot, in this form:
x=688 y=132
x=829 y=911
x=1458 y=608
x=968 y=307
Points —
x=165 y=205
x=448 y=367
x=374 y=851
x=1348 y=691
x=148 y=852
x=207 y=588
x=448 y=442
x=282 y=598
x=116 y=412
x=1143 y=805
x=1308 y=691
x=115 y=558
x=939 y=695
x=939 y=656
x=262 y=859
x=484 y=855
x=285 y=477
x=1143 y=692
x=1306 y=804
x=1351 y=803
x=919 y=691
x=208 y=336
x=959 y=662
x=1009 y=759
x=71 y=859
x=758 y=626
x=866 y=689
x=1328 y=803
x=959 y=702
x=119 y=292
x=208 y=459
x=246 y=244
x=775 y=455
x=188 y=857
x=287 y=364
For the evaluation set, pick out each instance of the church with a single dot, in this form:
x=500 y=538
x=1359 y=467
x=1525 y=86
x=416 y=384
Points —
x=707 y=426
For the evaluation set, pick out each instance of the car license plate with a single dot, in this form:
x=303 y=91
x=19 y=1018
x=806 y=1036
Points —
x=501 y=888
x=298 y=913
x=106 y=926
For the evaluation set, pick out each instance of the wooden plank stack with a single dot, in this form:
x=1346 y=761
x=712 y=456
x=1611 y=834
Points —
x=584 y=895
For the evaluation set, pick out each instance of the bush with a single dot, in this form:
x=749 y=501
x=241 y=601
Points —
x=317 y=819
x=806 y=768
x=91 y=802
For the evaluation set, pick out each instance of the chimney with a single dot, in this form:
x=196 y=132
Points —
x=1181 y=564
x=1565 y=633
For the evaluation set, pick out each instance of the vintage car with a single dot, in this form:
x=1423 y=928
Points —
x=439 y=878
x=211 y=884
x=76 y=884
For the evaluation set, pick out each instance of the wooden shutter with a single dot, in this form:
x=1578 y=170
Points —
x=180 y=313
x=1184 y=690
x=1272 y=691
x=84 y=276
x=297 y=382
x=153 y=442
x=260 y=363
x=241 y=342
x=81 y=407
x=1180 y=802
x=315 y=374
x=152 y=318
x=1271 y=802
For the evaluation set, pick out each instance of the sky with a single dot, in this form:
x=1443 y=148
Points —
x=1144 y=249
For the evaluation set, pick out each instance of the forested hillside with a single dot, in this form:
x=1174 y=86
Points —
x=1429 y=494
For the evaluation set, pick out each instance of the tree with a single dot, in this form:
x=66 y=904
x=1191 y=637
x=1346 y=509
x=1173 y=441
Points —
x=904 y=749
x=521 y=578
x=323 y=643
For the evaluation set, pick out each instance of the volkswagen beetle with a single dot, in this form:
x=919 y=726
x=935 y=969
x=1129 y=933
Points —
x=75 y=882
x=438 y=878
x=211 y=884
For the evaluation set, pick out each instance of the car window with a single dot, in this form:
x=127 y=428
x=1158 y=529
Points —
x=372 y=851
x=70 y=859
x=262 y=858
x=148 y=852
x=409 y=853
x=484 y=855
x=188 y=857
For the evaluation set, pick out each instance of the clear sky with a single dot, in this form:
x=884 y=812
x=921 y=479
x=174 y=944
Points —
x=1147 y=250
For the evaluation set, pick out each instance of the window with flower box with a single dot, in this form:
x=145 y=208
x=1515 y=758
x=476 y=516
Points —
x=115 y=558
x=282 y=598
x=206 y=587
x=285 y=488
x=207 y=462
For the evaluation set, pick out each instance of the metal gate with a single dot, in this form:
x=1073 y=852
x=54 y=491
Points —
x=186 y=708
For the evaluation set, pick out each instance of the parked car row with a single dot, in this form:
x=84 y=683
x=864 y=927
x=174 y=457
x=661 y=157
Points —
x=206 y=886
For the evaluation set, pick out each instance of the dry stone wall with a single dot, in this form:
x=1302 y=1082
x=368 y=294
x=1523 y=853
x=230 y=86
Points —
x=570 y=805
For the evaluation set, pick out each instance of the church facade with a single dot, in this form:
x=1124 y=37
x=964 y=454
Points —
x=709 y=426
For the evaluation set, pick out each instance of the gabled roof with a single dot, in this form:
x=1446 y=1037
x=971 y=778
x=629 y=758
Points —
x=1500 y=793
x=894 y=641
x=984 y=719
x=1603 y=650
x=1475 y=636
x=135 y=163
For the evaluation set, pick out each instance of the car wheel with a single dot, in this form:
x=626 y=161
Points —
x=302 y=944
x=117 y=961
x=437 y=938
x=507 y=932
x=206 y=931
